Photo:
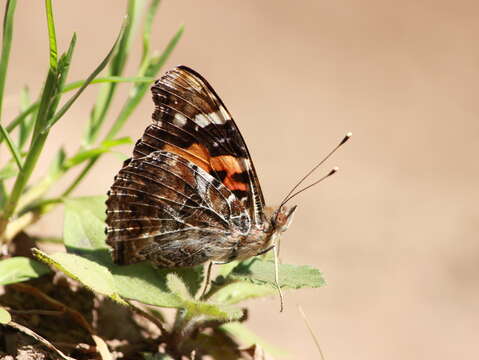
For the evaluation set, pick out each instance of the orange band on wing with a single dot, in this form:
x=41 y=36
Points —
x=199 y=155
x=231 y=166
x=196 y=153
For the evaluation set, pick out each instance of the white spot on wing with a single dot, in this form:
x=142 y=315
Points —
x=216 y=118
x=179 y=120
x=202 y=120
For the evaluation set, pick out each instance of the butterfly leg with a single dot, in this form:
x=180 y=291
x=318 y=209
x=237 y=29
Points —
x=208 y=277
x=262 y=252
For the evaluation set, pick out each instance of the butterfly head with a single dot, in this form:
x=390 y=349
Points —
x=282 y=218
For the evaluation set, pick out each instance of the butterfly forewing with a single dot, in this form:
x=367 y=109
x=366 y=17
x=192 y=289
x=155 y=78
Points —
x=192 y=121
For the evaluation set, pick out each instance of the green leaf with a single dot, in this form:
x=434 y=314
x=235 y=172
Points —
x=94 y=276
x=177 y=286
x=238 y=291
x=225 y=269
x=193 y=278
x=85 y=223
x=290 y=276
x=17 y=269
x=5 y=317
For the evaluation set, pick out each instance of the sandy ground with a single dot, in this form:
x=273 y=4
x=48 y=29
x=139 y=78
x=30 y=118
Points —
x=395 y=232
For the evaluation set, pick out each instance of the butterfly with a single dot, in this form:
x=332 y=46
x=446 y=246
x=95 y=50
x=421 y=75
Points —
x=190 y=194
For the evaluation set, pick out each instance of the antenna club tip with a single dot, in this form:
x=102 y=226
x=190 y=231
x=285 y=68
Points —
x=333 y=170
x=346 y=138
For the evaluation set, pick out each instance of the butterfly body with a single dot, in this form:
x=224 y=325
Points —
x=190 y=193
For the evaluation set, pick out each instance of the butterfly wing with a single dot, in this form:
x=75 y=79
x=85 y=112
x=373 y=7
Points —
x=191 y=120
x=165 y=209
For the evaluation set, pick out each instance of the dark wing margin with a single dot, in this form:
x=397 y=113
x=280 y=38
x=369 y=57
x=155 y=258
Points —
x=166 y=209
x=191 y=120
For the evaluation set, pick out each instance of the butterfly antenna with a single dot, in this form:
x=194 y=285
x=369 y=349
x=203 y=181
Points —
x=333 y=171
x=341 y=143
x=276 y=277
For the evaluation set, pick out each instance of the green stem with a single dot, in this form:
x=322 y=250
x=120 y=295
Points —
x=80 y=176
x=6 y=45
x=22 y=180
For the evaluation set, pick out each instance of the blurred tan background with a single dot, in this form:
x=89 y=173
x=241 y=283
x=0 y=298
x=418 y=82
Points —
x=395 y=232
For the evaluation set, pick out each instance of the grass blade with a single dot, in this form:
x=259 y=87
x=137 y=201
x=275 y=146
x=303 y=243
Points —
x=313 y=335
x=99 y=68
x=52 y=38
x=63 y=68
x=12 y=147
x=150 y=15
x=6 y=46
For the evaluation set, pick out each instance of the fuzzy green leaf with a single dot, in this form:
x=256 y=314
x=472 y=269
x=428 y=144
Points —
x=94 y=276
x=177 y=286
x=290 y=276
x=84 y=223
x=238 y=291
x=17 y=269
x=193 y=278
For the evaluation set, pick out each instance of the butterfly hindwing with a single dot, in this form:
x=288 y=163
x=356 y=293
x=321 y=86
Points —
x=191 y=120
x=168 y=210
